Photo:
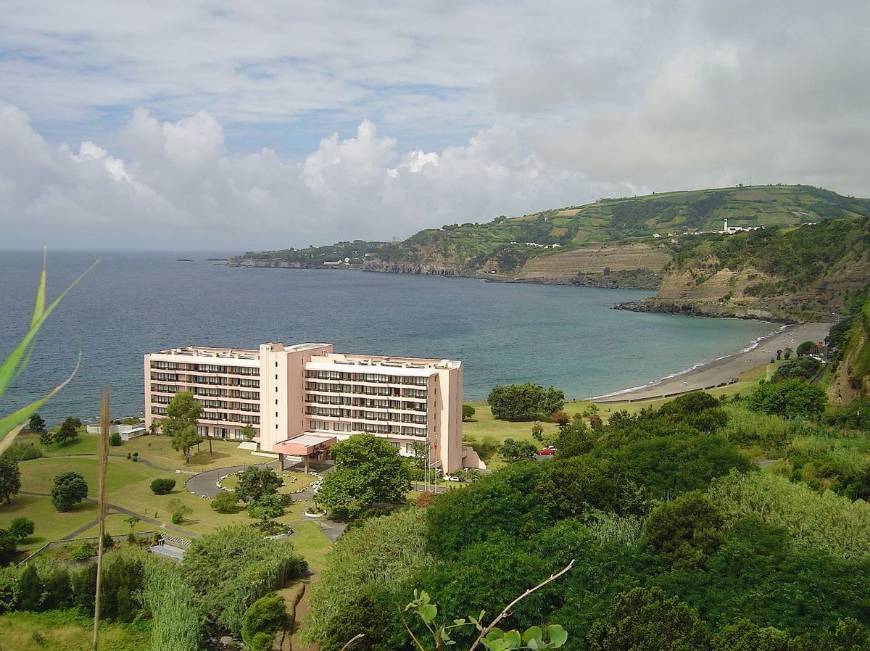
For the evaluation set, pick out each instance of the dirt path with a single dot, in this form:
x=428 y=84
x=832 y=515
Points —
x=723 y=371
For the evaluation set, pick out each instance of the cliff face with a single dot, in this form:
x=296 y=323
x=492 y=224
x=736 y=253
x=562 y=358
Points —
x=782 y=275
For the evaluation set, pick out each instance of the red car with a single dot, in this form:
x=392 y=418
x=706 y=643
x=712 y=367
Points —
x=547 y=451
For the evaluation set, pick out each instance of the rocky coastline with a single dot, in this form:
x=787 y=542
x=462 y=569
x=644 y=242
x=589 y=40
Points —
x=701 y=309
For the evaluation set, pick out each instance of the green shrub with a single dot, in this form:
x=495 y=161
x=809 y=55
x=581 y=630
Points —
x=21 y=528
x=801 y=368
x=788 y=399
x=748 y=636
x=225 y=502
x=162 y=486
x=468 y=412
x=83 y=552
x=262 y=620
x=686 y=530
x=115 y=439
x=23 y=451
x=268 y=507
x=646 y=618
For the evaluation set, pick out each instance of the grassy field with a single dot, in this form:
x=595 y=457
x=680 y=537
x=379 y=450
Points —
x=24 y=631
x=129 y=485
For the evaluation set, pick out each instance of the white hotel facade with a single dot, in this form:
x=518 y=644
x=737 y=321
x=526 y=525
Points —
x=299 y=399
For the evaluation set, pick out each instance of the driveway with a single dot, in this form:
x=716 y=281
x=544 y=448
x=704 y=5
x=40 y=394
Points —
x=205 y=484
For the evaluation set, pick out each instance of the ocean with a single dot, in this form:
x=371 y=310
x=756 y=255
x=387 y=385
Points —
x=136 y=302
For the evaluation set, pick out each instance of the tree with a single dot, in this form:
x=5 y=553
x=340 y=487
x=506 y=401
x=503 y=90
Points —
x=21 y=528
x=686 y=530
x=787 y=353
x=262 y=620
x=538 y=432
x=46 y=437
x=524 y=402
x=115 y=439
x=36 y=424
x=182 y=414
x=248 y=433
x=468 y=412
x=68 y=431
x=256 y=482
x=805 y=348
x=368 y=471
x=69 y=489
x=162 y=486
x=10 y=478
x=788 y=399
x=225 y=502
x=511 y=450
x=645 y=618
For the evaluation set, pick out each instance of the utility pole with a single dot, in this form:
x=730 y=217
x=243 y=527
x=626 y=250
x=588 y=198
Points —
x=101 y=473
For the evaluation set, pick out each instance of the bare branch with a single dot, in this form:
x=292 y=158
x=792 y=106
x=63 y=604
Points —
x=507 y=609
x=352 y=640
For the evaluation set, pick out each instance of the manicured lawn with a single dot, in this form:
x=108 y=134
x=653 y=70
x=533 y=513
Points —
x=50 y=525
x=156 y=449
x=58 y=629
x=311 y=542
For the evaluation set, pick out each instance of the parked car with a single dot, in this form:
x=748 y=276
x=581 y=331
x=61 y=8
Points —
x=547 y=451
x=451 y=478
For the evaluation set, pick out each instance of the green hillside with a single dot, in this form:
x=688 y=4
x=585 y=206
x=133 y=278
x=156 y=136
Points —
x=503 y=245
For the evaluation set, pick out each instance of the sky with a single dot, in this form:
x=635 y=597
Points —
x=266 y=125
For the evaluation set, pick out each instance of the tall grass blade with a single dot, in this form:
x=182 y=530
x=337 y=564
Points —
x=10 y=367
x=38 y=309
x=12 y=423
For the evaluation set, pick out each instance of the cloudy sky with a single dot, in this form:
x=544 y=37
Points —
x=239 y=125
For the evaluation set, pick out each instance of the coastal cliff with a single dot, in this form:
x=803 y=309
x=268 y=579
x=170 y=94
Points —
x=670 y=242
x=800 y=274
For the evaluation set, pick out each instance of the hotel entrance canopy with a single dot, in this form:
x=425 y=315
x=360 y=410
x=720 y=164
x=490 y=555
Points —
x=304 y=445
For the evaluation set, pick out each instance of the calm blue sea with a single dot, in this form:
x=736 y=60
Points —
x=138 y=302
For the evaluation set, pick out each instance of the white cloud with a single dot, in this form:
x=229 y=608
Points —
x=230 y=102
x=178 y=187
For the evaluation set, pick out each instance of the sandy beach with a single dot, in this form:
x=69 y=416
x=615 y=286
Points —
x=725 y=369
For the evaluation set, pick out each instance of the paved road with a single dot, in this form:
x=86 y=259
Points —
x=205 y=484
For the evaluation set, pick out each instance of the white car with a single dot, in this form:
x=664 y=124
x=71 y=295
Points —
x=451 y=478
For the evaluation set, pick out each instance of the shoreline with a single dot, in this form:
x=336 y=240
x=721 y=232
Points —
x=722 y=371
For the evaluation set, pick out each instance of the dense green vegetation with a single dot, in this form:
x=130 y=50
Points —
x=679 y=541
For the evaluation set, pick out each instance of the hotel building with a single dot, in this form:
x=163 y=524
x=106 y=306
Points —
x=299 y=399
